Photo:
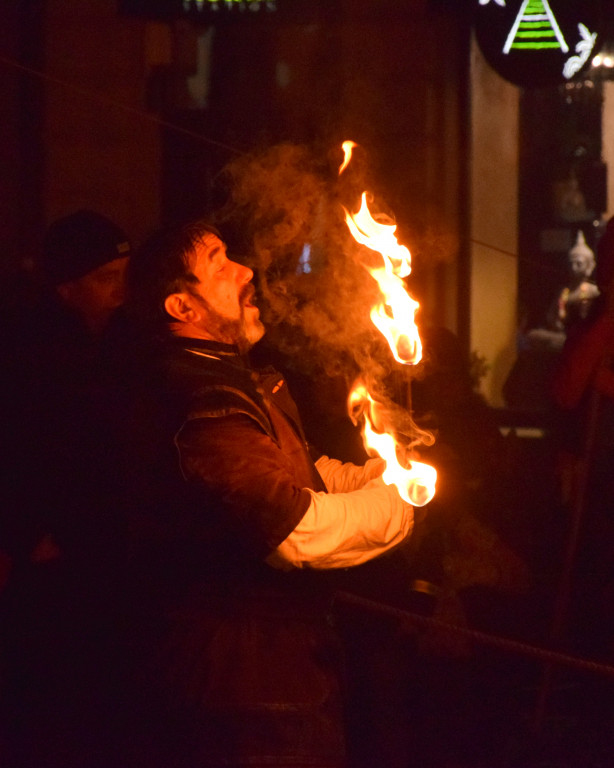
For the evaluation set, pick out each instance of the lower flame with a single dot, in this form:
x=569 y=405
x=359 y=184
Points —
x=416 y=482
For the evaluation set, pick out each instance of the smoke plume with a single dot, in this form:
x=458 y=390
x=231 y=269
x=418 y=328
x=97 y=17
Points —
x=285 y=210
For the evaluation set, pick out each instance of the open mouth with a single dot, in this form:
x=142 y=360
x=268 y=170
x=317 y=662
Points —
x=247 y=297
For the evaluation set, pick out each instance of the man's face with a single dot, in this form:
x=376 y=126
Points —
x=223 y=296
x=98 y=294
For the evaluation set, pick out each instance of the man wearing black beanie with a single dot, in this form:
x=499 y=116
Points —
x=85 y=256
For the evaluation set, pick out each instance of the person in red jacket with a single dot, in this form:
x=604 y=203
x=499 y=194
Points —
x=583 y=395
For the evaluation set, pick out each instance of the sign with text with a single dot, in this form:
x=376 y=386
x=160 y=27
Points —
x=224 y=11
x=536 y=43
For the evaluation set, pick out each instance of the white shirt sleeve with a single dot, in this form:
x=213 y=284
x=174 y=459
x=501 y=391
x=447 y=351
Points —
x=340 y=477
x=340 y=530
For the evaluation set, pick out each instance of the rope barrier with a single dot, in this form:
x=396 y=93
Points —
x=496 y=641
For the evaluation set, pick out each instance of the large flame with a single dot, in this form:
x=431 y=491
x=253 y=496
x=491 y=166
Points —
x=394 y=316
x=415 y=482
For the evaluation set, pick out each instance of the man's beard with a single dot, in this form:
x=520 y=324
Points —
x=230 y=330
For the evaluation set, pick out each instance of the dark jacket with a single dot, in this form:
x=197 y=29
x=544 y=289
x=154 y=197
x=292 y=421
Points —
x=241 y=651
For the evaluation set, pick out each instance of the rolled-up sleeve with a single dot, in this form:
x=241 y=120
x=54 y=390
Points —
x=263 y=502
x=340 y=530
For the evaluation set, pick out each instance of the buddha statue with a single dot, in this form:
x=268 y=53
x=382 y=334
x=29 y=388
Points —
x=575 y=298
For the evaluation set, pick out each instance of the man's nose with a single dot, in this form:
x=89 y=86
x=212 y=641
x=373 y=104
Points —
x=244 y=273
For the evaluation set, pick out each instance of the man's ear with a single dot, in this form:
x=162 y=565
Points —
x=179 y=306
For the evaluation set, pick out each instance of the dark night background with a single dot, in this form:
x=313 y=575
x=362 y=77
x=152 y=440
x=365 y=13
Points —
x=137 y=109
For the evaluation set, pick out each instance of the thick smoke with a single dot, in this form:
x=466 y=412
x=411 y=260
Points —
x=283 y=202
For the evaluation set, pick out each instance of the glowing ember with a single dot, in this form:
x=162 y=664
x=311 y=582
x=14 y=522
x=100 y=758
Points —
x=347 y=147
x=416 y=482
x=394 y=316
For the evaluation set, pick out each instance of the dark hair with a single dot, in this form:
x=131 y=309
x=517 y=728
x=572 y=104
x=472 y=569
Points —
x=162 y=266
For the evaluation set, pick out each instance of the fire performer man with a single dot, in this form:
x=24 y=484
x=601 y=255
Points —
x=239 y=544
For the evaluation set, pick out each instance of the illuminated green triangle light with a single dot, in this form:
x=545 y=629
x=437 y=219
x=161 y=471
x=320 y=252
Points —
x=535 y=28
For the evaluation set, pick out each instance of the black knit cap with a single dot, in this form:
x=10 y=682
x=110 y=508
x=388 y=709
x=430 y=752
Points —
x=80 y=243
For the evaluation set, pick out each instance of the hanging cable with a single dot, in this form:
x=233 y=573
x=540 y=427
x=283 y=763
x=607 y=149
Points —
x=105 y=100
